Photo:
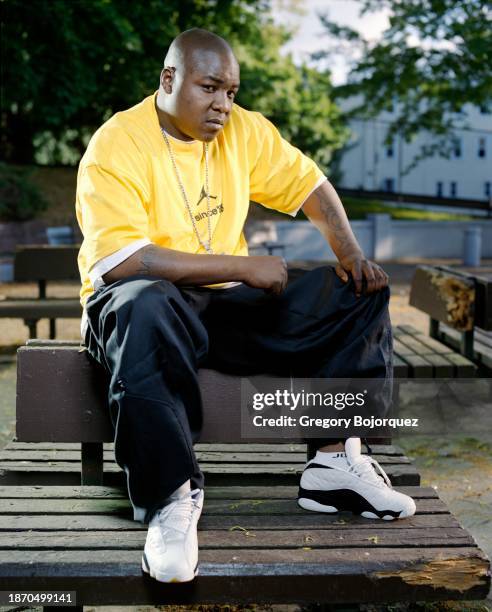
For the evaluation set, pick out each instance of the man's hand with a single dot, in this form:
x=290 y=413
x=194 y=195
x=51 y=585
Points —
x=265 y=272
x=360 y=269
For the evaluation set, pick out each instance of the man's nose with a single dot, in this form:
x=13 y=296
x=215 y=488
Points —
x=222 y=102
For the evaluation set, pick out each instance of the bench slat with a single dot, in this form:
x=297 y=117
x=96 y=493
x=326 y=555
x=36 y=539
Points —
x=232 y=473
x=56 y=308
x=18 y=522
x=212 y=506
x=481 y=353
x=202 y=456
x=315 y=539
x=232 y=492
x=384 y=573
x=419 y=366
x=283 y=447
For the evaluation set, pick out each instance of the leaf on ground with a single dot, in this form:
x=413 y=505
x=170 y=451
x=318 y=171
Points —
x=244 y=530
x=373 y=539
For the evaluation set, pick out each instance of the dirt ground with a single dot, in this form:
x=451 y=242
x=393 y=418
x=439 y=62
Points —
x=459 y=466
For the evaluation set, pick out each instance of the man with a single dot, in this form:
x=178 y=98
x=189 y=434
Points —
x=162 y=197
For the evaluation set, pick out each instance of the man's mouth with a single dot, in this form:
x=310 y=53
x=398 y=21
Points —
x=215 y=123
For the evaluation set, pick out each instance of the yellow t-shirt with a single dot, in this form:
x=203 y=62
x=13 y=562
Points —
x=127 y=188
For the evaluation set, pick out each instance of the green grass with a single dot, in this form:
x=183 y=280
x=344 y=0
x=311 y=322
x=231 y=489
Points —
x=359 y=208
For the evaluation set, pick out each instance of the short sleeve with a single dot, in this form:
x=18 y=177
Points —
x=111 y=210
x=281 y=176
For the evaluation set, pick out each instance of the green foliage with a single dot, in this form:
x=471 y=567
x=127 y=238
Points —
x=73 y=64
x=433 y=59
x=20 y=199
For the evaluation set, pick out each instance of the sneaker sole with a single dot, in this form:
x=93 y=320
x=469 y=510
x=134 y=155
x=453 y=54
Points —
x=314 y=506
x=346 y=500
x=310 y=504
x=168 y=578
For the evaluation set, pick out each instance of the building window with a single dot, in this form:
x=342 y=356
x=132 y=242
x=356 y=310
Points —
x=487 y=189
x=439 y=189
x=453 y=189
x=481 y=147
x=484 y=109
x=389 y=150
x=457 y=148
x=389 y=184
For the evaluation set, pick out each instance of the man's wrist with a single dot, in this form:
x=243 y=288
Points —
x=351 y=257
x=240 y=267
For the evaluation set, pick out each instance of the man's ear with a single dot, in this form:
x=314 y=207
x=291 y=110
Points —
x=167 y=78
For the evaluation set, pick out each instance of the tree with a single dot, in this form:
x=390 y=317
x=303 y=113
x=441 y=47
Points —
x=433 y=59
x=68 y=66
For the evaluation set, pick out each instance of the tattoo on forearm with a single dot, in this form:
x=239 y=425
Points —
x=146 y=261
x=335 y=223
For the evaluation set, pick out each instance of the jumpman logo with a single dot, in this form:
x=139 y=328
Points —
x=203 y=195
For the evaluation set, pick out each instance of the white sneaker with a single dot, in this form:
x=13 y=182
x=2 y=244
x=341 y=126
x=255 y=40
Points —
x=171 y=548
x=348 y=481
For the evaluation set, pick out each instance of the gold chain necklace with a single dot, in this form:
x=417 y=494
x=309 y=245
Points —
x=208 y=245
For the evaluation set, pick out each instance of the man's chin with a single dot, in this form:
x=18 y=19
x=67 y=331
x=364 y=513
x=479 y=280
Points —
x=207 y=137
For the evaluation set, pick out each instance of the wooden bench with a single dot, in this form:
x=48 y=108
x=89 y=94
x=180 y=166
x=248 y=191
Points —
x=256 y=544
x=459 y=304
x=43 y=263
x=71 y=388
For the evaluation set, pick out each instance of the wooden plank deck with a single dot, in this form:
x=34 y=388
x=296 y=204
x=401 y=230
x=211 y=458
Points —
x=256 y=546
x=30 y=463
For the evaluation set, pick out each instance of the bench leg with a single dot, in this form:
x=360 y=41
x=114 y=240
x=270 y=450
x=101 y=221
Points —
x=434 y=328
x=32 y=326
x=52 y=329
x=466 y=344
x=92 y=463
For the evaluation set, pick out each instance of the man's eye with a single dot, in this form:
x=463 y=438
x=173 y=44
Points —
x=231 y=94
x=209 y=88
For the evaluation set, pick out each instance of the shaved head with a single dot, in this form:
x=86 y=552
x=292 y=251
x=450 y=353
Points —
x=192 y=46
x=198 y=84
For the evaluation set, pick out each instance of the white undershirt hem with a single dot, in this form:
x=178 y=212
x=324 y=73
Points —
x=104 y=265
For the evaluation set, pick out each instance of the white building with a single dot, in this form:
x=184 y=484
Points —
x=370 y=164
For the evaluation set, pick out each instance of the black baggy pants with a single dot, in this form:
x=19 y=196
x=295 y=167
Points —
x=152 y=337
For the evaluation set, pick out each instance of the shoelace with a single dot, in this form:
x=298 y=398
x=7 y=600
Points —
x=177 y=514
x=364 y=467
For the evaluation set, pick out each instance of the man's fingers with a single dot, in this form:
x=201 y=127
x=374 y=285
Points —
x=340 y=272
x=368 y=273
x=357 y=276
x=381 y=278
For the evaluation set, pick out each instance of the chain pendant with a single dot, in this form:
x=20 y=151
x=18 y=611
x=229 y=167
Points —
x=207 y=246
